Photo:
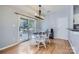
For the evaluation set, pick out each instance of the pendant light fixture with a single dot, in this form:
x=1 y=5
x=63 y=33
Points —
x=39 y=16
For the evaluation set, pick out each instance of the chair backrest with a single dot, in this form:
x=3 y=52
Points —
x=47 y=33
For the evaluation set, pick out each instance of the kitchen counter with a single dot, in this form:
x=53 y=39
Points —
x=76 y=30
x=74 y=39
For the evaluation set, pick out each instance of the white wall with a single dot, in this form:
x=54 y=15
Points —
x=38 y=26
x=51 y=19
x=8 y=26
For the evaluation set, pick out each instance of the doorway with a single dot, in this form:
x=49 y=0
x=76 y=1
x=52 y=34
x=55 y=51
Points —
x=26 y=27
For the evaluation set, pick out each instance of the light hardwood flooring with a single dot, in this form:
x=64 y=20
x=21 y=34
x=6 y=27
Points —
x=56 y=46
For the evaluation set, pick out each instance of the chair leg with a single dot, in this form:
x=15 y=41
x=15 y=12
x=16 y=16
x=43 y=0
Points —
x=44 y=44
x=49 y=40
x=38 y=45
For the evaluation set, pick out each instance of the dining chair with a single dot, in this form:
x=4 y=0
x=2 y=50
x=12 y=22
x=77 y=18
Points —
x=41 y=39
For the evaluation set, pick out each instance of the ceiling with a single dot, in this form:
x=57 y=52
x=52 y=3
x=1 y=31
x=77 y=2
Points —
x=33 y=9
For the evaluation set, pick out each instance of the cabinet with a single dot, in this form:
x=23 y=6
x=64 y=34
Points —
x=74 y=39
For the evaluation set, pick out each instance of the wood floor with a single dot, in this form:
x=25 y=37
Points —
x=56 y=46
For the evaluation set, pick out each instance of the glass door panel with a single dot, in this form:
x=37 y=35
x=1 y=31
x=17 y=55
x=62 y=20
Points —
x=31 y=25
x=26 y=29
x=23 y=29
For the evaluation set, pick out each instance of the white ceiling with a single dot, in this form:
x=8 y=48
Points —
x=33 y=9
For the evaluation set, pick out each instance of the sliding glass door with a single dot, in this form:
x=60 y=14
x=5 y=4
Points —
x=23 y=29
x=26 y=28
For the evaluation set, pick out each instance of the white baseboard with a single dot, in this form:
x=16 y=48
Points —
x=60 y=38
x=72 y=47
x=9 y=46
